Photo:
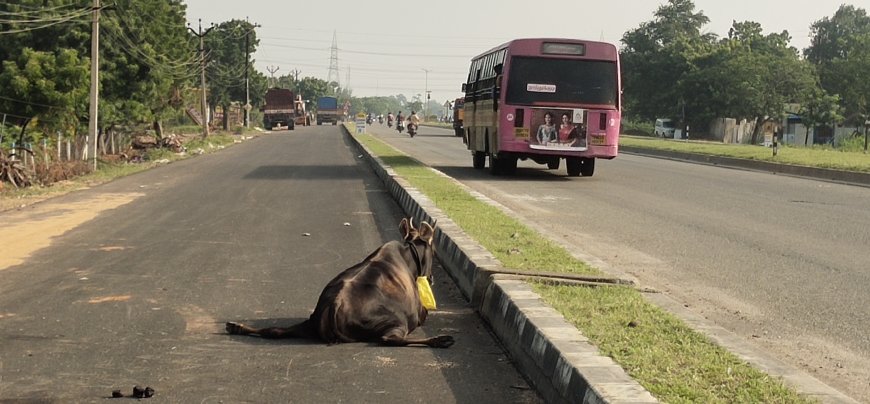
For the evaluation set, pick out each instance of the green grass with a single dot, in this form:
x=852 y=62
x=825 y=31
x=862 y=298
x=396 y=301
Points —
x=437 y=124
x=820 y=157
x=676 y=364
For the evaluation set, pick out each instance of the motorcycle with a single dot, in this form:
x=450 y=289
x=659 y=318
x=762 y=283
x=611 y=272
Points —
x=381 y=120
x=412 y=129
x=399 y=126
x=389 y=121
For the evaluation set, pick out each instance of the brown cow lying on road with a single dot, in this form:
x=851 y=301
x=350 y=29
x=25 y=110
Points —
x=374 y=301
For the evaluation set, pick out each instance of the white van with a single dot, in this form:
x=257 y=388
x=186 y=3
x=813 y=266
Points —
x=665 y=128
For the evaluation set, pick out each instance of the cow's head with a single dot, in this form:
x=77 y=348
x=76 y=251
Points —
x=422 y=241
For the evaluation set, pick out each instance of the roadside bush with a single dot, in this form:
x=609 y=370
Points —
x=57 y=171
x=637 y=128
x=850 y=143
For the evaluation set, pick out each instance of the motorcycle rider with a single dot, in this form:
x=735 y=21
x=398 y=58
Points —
x=400 y=121
x=390 y=119
x=413 y=119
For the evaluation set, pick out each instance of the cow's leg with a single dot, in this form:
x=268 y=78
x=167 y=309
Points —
x=271 y=332
x=399 y=337
x=239 y=329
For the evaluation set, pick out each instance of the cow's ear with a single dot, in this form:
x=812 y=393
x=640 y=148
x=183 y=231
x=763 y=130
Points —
x=405 y=228
x=427 y=233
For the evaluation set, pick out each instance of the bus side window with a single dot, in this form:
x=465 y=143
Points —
x=496 y=87
x=476 y=86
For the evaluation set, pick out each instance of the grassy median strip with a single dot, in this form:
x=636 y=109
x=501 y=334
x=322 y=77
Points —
x=819 y=157
x=673 y=362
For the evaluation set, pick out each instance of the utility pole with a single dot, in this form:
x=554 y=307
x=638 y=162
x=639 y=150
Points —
x=426 y=92
x=866 y=122
x=247 y=67
x=3 y=126
x=95 y=78
x=201 y=36
x=296 y=76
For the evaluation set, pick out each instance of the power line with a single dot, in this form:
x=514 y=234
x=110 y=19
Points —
x=29 y=103
x=46 y=22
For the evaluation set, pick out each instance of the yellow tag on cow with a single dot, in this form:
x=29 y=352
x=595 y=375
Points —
x=426 y=296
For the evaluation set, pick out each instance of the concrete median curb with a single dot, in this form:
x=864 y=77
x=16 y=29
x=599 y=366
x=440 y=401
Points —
x=555 y=357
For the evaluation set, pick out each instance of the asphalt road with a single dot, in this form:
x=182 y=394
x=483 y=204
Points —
x=781 y=261
x=130 y=283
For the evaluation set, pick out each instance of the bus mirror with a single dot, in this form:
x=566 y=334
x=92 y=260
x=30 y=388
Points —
x=463 y=87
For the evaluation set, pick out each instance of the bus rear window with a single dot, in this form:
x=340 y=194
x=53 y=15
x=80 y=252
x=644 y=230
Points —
x=571 y=81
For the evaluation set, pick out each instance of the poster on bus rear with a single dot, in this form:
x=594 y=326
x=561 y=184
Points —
x=558 y=129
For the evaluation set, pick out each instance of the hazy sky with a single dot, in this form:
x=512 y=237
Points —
x=385 y=47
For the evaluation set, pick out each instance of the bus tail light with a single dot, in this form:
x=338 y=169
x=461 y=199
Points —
x=602 y=121
x=520 y=118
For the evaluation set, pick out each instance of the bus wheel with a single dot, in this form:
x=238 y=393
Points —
x=553 y=164
x=587 y=167
x=574 y=165
x=479 y=159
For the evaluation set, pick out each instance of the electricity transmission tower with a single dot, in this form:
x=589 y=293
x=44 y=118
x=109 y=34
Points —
x=272 y=70
x=333 y=62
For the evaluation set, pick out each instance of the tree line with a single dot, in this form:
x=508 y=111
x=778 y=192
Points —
x=150 y=67
x=672 y=69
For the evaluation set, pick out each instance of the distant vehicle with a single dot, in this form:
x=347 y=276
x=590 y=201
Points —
x=458 y=114
x=665 y=128
x=280 y=109
x=544 y=100
x=327 y=110
x=302 y=117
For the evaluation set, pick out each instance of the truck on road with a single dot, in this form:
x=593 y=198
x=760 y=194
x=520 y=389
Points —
x=458 y=116
x=327 y=110
x=283 y=109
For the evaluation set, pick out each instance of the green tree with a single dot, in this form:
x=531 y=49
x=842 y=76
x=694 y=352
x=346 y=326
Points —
x=656 y=55
x=819 y=108
x=147 y=60
x=49 y=87
x=144 y=57
x=229 y=47
x=768 y=72
x=840 y=50
x=313 y=88
x=42 y=49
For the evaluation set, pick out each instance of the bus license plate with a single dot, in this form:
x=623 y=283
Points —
x=521 y=133
x=598 y=140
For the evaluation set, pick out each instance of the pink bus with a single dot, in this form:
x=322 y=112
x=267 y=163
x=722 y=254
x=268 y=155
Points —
x=544 y=100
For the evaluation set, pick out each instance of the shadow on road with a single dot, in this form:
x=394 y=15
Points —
x=306 y=172
x=522 y=174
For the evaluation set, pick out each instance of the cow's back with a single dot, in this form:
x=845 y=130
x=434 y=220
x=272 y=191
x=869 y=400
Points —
x=370 y=298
